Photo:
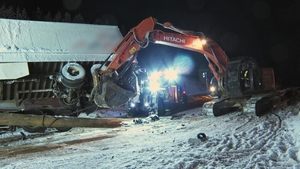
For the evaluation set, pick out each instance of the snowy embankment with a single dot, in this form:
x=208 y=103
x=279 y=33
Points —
x=236 y=140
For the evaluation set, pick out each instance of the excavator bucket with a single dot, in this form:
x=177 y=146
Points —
x=111 y=94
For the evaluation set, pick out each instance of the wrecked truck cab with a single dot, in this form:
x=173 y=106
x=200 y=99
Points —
x=45 y=67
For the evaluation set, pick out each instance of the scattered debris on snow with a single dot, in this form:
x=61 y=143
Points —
x=236 y=140
x=151 y=118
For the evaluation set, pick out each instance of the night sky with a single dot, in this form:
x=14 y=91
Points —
x=265 y=30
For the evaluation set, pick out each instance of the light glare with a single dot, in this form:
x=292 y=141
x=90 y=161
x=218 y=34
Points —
x=155 y=76
x=154 y=86
x=212 y=88
x=171 y=74
x=132 y=105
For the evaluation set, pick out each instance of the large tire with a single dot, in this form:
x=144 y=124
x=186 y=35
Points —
x=34 y=129
x=63 y=129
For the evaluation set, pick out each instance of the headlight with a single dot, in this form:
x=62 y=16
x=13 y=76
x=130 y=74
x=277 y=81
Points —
x=155 y=76
x=146 y=104
x=154 y=86
x=154 y=81
x=171 y=74
x=212 y=89
x=132 y=105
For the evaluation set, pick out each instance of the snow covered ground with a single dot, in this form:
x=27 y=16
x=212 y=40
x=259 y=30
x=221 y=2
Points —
x=236 y=140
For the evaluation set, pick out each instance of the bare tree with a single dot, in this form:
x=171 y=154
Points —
x=78 y=19
x=98 y=21
x=7 y=12
x=109 y=19
x=21 y=14
x=2 y=11
x=38 y=14
x=24 y=14
x=48 y=17
x=57 y=17
x=67 y=17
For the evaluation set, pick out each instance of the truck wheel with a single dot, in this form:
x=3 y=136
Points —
x=63 y=129
x=34 y=129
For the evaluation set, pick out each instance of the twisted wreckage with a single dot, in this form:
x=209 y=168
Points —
x=49 y=69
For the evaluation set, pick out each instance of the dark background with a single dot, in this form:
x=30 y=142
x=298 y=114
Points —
x=265 y=30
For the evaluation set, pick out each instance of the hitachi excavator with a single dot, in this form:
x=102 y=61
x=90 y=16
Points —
x=235 y=81
x=58 y=82
x=112 y=83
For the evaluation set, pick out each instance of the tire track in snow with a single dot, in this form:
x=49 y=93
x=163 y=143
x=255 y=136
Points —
x=9 y=152
x=248 y=147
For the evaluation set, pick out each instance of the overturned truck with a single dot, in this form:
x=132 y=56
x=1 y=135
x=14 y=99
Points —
x=47 y=68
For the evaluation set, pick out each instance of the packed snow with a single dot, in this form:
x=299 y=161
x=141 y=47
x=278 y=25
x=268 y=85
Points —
x=236 y=140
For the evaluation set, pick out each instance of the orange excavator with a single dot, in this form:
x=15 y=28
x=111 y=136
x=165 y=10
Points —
x=241 y=83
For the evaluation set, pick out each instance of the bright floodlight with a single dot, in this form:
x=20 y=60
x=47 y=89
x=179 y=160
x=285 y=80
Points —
x=171 y=74
x=132 y=105
x=154 y=81
x=212 y=89
x=146 y=104
x=154 y=86
x=155 y=76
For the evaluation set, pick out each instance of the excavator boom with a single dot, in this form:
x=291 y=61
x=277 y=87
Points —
x=143 y=33
x=132 y=43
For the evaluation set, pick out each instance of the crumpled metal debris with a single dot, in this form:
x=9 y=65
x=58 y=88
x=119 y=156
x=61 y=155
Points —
x=151 y=118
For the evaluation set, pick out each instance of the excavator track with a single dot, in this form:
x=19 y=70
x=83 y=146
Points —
x=244 y=93
x=232 y=94
x=259 y=104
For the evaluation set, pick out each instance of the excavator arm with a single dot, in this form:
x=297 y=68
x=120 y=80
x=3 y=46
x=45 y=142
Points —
x=144 y=32
x=133 y=41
